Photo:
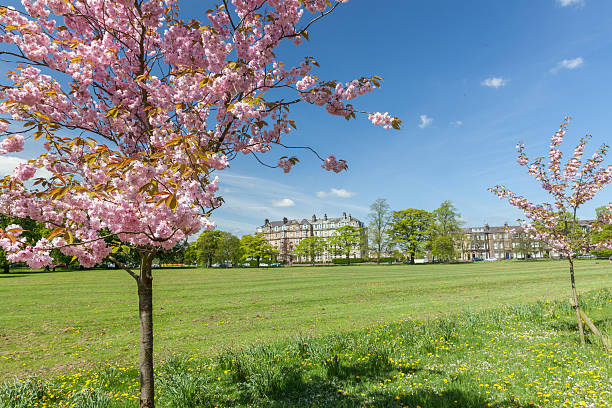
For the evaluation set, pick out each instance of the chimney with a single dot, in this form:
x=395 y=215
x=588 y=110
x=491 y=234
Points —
x=314 y=218
x=285 y=220
x=266 y=221
x=350 y=217
x=343 y=215
x=324 y=217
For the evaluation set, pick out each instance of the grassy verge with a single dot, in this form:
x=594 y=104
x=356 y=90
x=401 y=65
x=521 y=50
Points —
x=55 y=323
x=514 y=356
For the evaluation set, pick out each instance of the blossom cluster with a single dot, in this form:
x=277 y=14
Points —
x=334 y=165
x=159 y=106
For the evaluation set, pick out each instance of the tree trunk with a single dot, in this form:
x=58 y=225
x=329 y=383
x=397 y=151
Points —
x=145 y=309
x=5 y=268
x=348 y=258
x=576 y=305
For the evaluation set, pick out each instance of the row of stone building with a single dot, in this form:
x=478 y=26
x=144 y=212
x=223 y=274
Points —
x=284 y=235
x=486 y=242
x=502 y=242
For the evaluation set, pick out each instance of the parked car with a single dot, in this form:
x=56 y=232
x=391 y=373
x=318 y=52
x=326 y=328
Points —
x=264 y=265
x=491 y=259
x=585 y=256
x=275 y=264
x=477 y=259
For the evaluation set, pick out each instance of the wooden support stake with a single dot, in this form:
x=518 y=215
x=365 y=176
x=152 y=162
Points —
x=594 y=329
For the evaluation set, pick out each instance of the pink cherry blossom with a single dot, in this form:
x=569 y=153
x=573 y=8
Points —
x=12 y=144
x=334 y=165
x=25 y=171
x=579 y=183
x=148 y=141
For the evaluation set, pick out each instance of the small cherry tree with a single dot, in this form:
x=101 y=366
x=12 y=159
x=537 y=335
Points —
x=570 y=186
x=137 y=110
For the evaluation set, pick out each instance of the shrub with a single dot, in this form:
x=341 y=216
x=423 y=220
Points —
x=344 y=261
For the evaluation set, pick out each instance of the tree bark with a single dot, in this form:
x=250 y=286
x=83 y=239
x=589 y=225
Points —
x=576 y=305
x=145 y=310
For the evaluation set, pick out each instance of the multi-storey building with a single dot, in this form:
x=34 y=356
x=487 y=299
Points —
x=286 y=234
x=486 y=242
x=505 y=242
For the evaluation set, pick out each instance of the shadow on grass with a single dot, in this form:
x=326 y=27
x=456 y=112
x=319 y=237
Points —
x=432 y=399
x=319 y=392
x=30 y=273
x=12 y=275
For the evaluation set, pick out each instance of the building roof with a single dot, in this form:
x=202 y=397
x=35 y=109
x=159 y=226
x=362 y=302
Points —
x=304 y=221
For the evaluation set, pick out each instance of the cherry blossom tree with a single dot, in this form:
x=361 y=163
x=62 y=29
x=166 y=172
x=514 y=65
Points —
x=137 y=111
x=570 y=186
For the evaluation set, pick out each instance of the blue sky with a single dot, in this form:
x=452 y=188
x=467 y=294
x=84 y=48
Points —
x=550 y=58
x=469 y=79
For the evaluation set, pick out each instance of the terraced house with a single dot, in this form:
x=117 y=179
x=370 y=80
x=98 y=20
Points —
x=502 y=242
x=284 y=235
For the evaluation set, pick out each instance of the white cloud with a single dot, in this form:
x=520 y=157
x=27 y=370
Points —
x=494 y=82
x=425 y=121
x=335 y=192
x=566 y=3
x=8 y=164
x=569 y=64
x=457 y=123
x=285 y=202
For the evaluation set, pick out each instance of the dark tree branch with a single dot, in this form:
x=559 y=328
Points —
x=124 y=267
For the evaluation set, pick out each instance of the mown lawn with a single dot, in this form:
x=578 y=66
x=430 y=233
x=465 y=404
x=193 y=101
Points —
x=54 y=323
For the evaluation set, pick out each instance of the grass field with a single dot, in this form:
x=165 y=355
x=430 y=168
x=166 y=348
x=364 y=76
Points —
x=59 y=322
x=521 y=356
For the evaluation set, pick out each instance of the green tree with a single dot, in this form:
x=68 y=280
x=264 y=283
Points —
x=443 y=247
x=604 y=234
x=379 y=218
x=310 y=247
x=191 y=254
x=445 y=231
x=176 y=255
x=257 y=248
x=346 y=239
x=228 y=249
x=32 y=232
x=207 y=244
x=410 y=229
x=446 y=219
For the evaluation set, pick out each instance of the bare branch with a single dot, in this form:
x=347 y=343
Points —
x=128 y=270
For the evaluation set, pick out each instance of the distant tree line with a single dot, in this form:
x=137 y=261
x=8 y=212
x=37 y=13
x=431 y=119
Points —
x=399 y=235
x=414 y=231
